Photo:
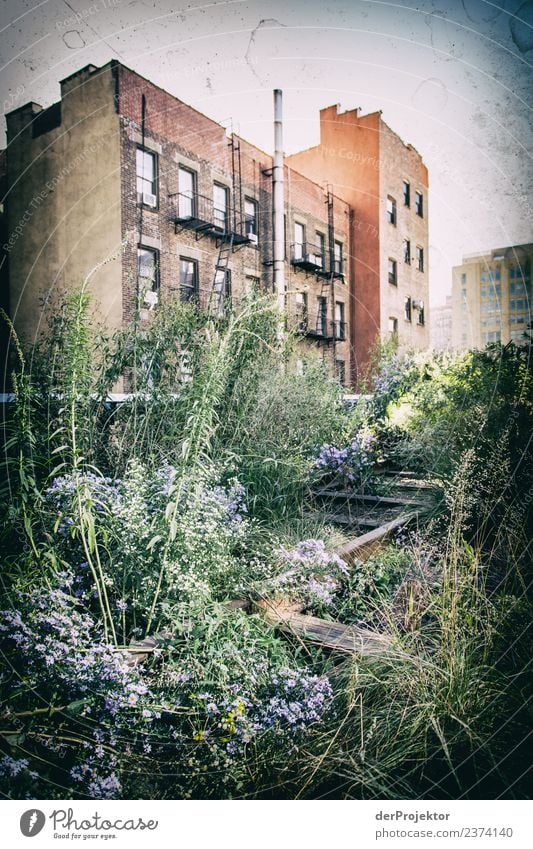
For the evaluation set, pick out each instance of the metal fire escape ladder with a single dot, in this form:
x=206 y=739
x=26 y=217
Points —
x=219 y=290
x=327 y=289
x=331 y=245
x=233 y=228
x=236 y=177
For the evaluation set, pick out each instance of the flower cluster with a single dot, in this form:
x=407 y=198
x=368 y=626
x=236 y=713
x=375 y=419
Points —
x=196 y=525
x=234 y=500
x=287 y=703
x=104 y=491
x=11 y=768
x=60 y=654
x=353 y=463
x=102 y=711
x=296 y=700
x=313 y=574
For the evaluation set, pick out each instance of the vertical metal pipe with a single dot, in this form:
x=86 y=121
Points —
x=278 y=203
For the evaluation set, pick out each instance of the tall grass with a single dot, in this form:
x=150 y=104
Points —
x=444 y=712
x=437 y=714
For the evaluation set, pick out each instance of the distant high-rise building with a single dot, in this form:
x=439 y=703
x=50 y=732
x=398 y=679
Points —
x=491 y=297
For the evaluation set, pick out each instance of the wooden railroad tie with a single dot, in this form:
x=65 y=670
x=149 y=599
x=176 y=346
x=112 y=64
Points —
x=349 y=639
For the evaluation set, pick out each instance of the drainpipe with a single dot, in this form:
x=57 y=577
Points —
x=278 y=204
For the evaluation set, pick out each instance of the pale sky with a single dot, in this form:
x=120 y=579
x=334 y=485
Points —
x=453 y=77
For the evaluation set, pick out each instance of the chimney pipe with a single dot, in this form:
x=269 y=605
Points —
x=278 y=203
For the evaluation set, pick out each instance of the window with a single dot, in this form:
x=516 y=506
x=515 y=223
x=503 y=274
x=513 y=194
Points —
x=486 y=276
x=148 y=268
x=519 y=271
x=518 y=336
x=406 y=193
x=463 y=279
x=518 y=303
x=322 y=316
x=301 y=311
x=407 y=251
x=421 y=314
x=519 y=318
x=220 y=207
x=250 y=217
x=340 y=325
x=491 y=275
x=320 y=249
x=391 y=210
x=419 y=258
x=337 y=258
x=393 y=272
x=187 y=193
x=419 y=204
x=490 y=306
x=340 y=371
x=491 y=290
x=299 y=240
x=146 y=177
x=491 y=336
x=188 y=279
x=517 y=287
x=407 y=309
x=393 y=325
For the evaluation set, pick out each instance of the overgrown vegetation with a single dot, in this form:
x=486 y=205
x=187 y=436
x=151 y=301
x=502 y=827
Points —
x=129 y=529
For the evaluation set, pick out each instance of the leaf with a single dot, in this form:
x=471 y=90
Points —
x=173 y=528
x=15 y=739
x=76 y=707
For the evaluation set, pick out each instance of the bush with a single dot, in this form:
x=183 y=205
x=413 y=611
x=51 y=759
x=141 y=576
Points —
x=182 y=726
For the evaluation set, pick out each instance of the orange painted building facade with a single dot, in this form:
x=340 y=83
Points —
x=385 y=182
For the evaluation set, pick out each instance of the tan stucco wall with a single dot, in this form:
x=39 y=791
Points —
x=65 y=202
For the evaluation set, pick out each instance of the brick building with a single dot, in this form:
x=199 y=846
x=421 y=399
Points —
x=491 y=297
x=123 y=183
x=385 y=182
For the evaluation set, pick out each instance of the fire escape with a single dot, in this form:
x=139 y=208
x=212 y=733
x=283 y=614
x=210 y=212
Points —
x=224 y=222
x=328 y=268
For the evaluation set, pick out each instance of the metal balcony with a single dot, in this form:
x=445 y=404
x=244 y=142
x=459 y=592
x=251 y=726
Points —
x=309 y=257
x=199 y=213
x=318 y=327
x=315 y=259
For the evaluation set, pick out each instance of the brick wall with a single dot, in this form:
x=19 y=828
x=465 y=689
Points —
x=401 y=162
x=180 y=134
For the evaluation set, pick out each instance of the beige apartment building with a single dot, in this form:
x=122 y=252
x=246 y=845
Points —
x=123 y=184
x=491 y=297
